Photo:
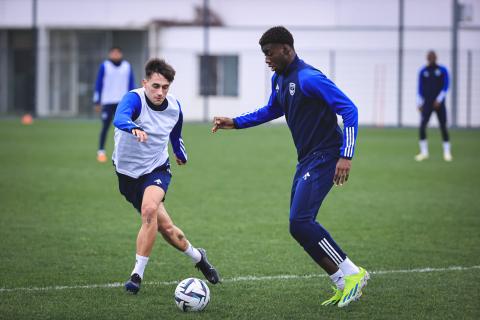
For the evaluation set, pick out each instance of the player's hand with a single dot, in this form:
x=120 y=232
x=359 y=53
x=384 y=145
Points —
x=420 y=108
x=140 y=134
x=97 y=108
x=436 y=105
x=180 y=162
x=342 y=171
x=222 y=123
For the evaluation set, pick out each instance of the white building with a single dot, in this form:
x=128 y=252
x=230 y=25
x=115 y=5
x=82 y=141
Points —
x=356 y=43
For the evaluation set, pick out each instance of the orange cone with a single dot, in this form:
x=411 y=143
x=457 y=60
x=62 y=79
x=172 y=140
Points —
x=27 y=119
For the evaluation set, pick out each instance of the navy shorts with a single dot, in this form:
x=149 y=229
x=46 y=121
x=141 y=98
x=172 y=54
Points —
x=108 y=111
x=132 y=189
x=311 y=184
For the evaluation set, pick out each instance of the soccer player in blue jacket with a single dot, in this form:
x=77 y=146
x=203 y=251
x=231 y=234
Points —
x=114 y=79
x=432 y=90
x=310 y=103
x=146 y=120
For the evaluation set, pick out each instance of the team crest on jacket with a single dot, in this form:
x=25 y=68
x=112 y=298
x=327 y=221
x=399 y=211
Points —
x=291 y=87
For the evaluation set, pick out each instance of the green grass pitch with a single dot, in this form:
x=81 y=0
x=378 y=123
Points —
x=64 y=227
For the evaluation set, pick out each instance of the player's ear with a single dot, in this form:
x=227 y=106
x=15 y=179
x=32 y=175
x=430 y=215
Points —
x=286 y=49
x=144 y=82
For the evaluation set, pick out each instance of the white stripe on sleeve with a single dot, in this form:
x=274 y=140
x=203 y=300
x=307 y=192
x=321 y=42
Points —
x=350 y=141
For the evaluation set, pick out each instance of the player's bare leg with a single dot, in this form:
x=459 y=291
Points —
x=152 y=198
x=170 y=232
x=175 y=236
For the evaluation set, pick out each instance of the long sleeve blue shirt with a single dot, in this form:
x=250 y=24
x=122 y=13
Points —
x=310 y=103
x=432 y=84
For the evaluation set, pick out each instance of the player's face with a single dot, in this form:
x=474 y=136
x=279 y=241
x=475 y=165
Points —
x=431 y=57
x=276 y=56
x=156 y=88
x=115 y=55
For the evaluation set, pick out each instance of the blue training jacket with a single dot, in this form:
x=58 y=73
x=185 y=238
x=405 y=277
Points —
x=310 y=103
x=432 y=84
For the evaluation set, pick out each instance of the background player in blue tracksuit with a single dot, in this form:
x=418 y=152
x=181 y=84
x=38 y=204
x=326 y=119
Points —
x=310 y=103
x=432 y=90
x=146 y=120
x=114 y=79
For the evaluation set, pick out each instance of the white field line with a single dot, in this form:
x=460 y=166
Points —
x=240 y=279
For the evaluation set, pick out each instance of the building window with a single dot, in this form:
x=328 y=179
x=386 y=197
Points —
x=219 y=75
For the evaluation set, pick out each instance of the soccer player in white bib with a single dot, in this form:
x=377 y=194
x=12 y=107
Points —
x=145 y=120
x=115 y=78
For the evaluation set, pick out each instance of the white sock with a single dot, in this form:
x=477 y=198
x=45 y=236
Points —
x=101 y=151
x=338 y=279
x=193 y=253
x=423 y=147
x=446 y=147
x=348 y=267
x=140 y=264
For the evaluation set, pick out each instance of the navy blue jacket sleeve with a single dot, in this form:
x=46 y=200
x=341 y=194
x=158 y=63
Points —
x=97 y=95
x=267 y=113
x=441 y=96
x=176 y=139
x=127 y=112
x=315 y=84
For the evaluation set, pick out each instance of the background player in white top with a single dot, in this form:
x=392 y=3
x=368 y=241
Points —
x=146 y=119
x=114 y=79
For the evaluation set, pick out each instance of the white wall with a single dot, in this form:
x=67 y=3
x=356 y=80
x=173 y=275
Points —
x=307 y=13
x=301 y=13
x=94 y=13
x=15 y=13
x=183 y=55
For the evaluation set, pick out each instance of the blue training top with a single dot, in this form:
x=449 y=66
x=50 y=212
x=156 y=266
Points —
x=432 y=84
x=310 y=102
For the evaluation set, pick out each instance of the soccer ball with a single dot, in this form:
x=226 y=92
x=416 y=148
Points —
x=192 y=294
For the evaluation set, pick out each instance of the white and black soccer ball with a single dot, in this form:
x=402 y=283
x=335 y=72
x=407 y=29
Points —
x=192 y=294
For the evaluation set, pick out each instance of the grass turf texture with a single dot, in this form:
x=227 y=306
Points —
x=64 y=223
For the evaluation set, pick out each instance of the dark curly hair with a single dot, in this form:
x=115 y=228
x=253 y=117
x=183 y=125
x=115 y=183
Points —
x=156 y=65
x=278 y=34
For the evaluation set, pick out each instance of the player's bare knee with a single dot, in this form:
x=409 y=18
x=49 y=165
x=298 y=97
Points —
x=149 y=213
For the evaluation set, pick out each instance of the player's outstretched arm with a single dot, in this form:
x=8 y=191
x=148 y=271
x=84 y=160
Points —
x=222 y=123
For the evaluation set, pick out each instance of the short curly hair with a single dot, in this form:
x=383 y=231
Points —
x=156 y=65
x=278 y=34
